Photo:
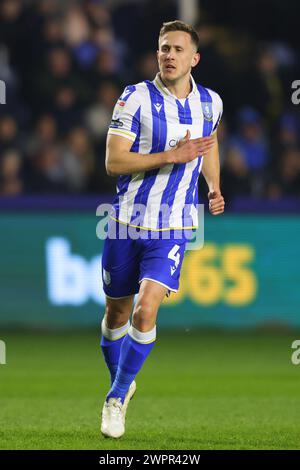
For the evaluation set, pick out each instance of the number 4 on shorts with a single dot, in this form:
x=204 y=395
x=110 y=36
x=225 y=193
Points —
x=174 y=256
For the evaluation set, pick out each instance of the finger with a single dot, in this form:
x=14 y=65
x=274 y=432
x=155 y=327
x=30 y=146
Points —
x=204 y=151
x=217 y=212
x=206 y=146
x=216 y=201
x=217 y=205
x=217 y=208
x=203 y=142
x=187 y=136
x=203 y=139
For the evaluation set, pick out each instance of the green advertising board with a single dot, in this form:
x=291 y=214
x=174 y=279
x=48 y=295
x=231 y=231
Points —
x=245 y=275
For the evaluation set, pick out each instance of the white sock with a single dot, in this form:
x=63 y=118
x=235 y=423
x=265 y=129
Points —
x=142 y=337
x=115 y=333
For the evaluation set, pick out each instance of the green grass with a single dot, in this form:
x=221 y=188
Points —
x=197 y=390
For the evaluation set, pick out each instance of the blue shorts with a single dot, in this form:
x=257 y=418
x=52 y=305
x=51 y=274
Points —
x=126 y=263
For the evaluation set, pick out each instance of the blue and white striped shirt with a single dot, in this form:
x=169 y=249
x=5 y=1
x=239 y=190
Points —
x=155 y=120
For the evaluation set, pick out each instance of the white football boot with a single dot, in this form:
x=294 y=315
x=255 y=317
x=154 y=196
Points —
x=114 y=414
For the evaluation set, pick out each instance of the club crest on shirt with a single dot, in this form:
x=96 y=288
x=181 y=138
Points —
x=207 y=111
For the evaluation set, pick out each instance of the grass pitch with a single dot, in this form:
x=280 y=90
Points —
x=197 y=390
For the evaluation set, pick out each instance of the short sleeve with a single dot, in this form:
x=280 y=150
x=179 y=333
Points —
x=217 y=110
x=126 y=115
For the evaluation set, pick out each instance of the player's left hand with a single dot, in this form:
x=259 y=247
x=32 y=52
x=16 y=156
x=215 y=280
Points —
x=216 y=202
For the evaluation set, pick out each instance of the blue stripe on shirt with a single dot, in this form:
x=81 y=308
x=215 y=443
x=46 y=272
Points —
x=184 y=112
x=168 y=196
x=206 y=101
x=136 y=129
x=217 y=122
x=122 y=185
x=159 y=136
x=130 y=89
x=169 y=192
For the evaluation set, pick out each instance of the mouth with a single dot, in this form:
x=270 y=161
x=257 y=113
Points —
x=170 y=67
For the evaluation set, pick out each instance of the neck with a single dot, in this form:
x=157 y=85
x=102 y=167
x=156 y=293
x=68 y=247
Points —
x=180 y=88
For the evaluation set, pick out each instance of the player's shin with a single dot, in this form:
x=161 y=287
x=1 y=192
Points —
x=111 y=342
x=134 y=350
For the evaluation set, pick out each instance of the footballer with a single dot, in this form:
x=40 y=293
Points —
x=163 y=133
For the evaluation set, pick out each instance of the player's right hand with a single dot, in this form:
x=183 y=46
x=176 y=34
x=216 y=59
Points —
x=188 y=149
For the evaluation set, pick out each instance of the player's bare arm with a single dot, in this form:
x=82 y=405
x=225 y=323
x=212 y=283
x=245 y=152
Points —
x=211 y=173
x=121 y=161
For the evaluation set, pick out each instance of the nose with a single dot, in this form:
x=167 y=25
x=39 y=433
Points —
x=170 y=54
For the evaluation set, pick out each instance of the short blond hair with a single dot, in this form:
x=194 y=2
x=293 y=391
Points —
x=178 y=25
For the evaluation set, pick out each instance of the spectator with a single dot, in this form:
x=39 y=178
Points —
x=286 y=178
x=66 y=109
x=9 y=133
x=45 y=134
x=10 y=173
x=266 y=92
x=98 y=116
x=251 y=139
x=79 y=159
x=66 y=63
x=47 y=175
x=236 y=177
x=146 y=67
x=288 y=134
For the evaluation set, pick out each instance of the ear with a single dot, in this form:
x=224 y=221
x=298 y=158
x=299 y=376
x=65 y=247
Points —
x=196 y=59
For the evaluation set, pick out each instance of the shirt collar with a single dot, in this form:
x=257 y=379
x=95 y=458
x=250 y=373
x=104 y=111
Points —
x=165 y=91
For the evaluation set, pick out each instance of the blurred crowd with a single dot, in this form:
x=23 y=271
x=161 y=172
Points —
x=66 y=63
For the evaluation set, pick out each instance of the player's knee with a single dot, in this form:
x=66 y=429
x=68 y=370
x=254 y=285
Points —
x=144 y=316
x=115 y=318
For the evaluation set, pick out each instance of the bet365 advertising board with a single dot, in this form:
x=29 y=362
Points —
x=246 y=275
